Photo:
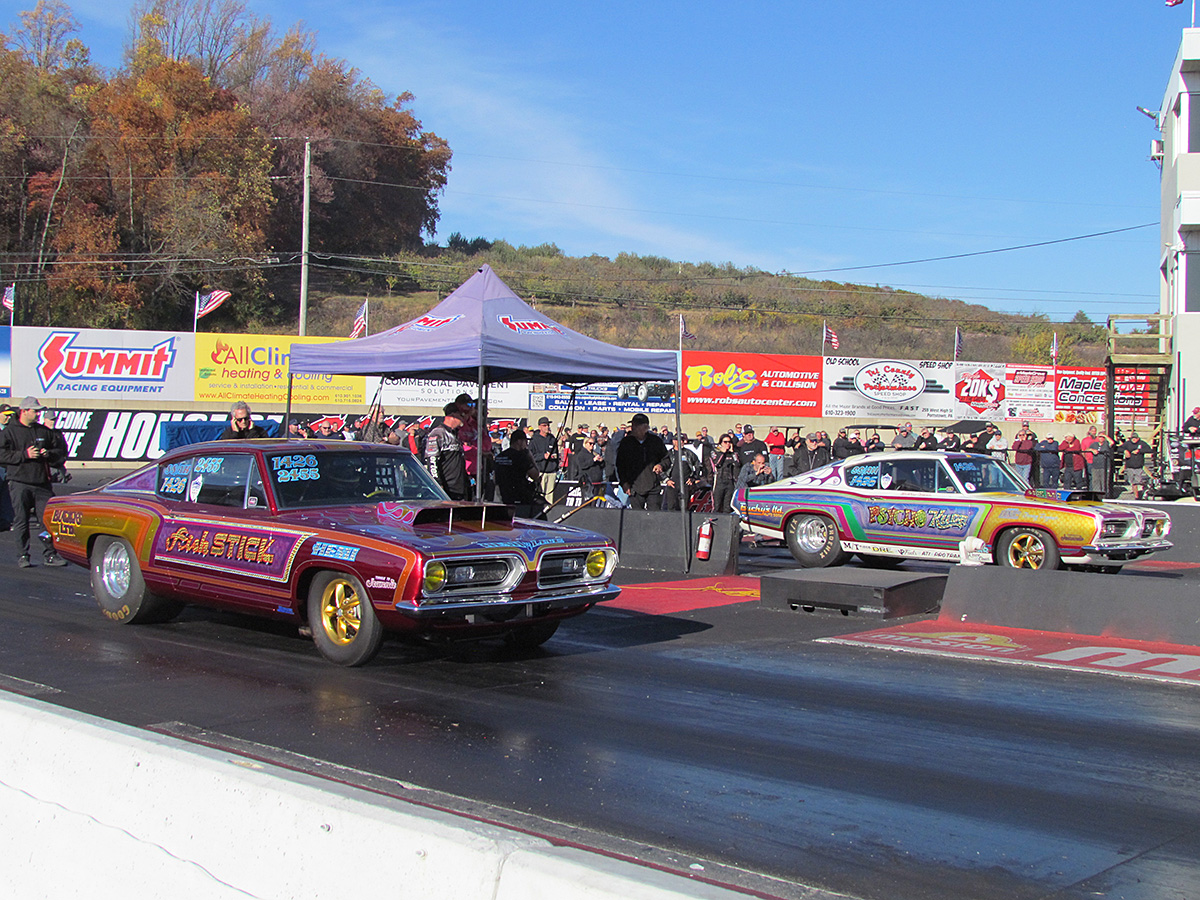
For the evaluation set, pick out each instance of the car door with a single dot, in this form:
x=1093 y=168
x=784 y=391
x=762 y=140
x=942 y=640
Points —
x=219 y=541
x=919 y=508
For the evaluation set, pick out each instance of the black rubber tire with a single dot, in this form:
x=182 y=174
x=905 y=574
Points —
x=527 y=637
x=344 y=626
x=119 y=588
x=873 y=561
x=813 y=541
x=1028 y=548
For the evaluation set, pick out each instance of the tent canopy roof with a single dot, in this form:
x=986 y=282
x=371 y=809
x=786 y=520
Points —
x=483 y=323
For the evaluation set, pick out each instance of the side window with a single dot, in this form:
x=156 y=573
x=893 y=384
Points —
x=220 y=480
x=914 y=475
x=864 y=476
x=173 y=480
x=256 y=496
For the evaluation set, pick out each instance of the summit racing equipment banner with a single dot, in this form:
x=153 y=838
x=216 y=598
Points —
x=254 y=368
x=98 y=364
x=911 y=389
x=751 y=383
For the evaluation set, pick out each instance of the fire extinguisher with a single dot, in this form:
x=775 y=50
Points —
x=704 y=544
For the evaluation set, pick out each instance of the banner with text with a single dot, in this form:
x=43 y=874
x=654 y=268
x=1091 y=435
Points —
x=254 y=368
x=888 y=389
x=102 y=365
x=751 y=383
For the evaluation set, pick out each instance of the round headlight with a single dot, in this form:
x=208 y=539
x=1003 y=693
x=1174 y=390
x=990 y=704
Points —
x=597 y=561
x=435 y=576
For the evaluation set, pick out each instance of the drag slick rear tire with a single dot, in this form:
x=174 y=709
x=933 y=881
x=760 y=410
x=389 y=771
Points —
x=119 y=588
x=344 y=626
x=814 y=542
x=1028 y=548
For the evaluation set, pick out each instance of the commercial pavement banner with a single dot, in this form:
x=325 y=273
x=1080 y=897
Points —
x=888 y=388
x=751 y=383
x=102 y=365
x=436 y=394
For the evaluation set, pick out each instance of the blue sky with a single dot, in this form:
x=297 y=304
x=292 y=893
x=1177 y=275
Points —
x=791 y=137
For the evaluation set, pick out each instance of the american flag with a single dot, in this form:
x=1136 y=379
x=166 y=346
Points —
x=206 y=303
x=684 y=334
x=958 y=343
x=10 y=297
x=830 y=337
x=1174 y=2
x=360 y=321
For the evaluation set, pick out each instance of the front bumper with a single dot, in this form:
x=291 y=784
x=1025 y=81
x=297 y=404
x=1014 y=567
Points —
x=493 y=604
x=1126 y=550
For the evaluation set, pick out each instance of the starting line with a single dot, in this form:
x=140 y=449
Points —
x=1080 y=653
x=662 y=598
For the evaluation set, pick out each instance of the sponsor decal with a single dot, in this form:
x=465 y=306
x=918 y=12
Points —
x=383 y=582
x=232 y=549
x=527 y=326
x=63 y=522
x=62 y=362
x=335 y=551
x=426 y=323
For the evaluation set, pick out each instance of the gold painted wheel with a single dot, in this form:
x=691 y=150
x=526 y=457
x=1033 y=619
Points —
x=1029 y=548
x=344 y=626
x=341 y=612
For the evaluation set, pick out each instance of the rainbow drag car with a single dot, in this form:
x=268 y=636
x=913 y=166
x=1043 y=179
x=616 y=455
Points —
x=891 y=506
x=349 y=540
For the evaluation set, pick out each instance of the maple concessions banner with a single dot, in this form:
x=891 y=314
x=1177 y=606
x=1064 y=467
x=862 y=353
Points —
x=751 y=384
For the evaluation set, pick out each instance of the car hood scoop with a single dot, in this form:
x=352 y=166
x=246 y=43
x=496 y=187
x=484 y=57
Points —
x=447 y=514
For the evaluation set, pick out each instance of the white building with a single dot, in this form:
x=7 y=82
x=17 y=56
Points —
x=1179 y=153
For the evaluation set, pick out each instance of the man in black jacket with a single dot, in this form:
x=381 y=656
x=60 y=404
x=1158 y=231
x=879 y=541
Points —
x=641 y=461
x=29 y=449
x=241 y=424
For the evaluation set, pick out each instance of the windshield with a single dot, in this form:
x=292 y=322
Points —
x=982 y=473
x=346 y=478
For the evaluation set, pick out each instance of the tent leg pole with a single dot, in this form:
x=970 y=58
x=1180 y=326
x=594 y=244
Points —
x=684 y=494
x=287 y=415
x=480 y=431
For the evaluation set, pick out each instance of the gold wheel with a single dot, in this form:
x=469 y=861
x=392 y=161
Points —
x=1029 y=548
x=341 y=612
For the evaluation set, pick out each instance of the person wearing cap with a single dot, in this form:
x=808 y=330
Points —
x=875 y=444
x=809 y=455
x=926 y=441
x=28 y=448
x=544 y=447
x=642 y=460
x=471 y=436
x=951 y=443
x=59 y=473
x=777 y=443
x=1191 y=425
x=1134 y=453
x=904 y=439
x=444 y=457
x=841 y=445
x=749 y=445
x=517 y=478
x=1048 y=463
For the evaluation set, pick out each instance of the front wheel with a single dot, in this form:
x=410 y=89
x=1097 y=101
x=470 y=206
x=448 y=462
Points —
x=344 y=626
x=814 y=542
x=119 y=588
x=1028 y=548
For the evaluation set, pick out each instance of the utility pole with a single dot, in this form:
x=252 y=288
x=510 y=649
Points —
x=304 y=241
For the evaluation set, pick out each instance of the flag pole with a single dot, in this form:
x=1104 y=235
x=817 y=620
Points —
x=366 y=316
x=196 y=314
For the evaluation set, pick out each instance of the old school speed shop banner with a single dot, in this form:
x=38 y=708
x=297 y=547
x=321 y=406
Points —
x=751 y=383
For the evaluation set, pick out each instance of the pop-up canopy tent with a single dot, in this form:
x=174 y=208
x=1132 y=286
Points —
x=484 y=332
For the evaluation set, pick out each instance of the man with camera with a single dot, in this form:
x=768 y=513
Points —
x=29 y=449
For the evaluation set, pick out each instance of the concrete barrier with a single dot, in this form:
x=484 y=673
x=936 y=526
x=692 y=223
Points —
x=653 y=540
x=1128 y=606
x=98 y=810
